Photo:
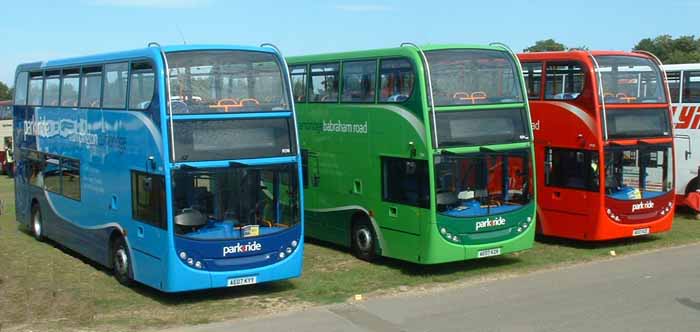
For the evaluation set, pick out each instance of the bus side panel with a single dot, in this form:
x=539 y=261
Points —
x=687 y=122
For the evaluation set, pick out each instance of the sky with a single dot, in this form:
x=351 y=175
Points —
x=44 y=30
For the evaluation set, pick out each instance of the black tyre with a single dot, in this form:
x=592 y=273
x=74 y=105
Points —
x=364 y=240
x=37 y=223
x=121 y=262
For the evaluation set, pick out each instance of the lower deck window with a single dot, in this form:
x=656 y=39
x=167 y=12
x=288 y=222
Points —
x=57 y=174
x=405 y=181
x=148 y=198
x=570 y=168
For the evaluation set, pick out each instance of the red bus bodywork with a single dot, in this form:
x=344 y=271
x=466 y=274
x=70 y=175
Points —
x=577 y=124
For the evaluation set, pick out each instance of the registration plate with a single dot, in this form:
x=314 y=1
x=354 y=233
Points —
x=488 y=252
x=641 y=231
x=242 y=281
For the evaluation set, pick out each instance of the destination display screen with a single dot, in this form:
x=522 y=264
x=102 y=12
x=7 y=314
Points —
x=202 y=140
x=636 y=123
x=469 y=128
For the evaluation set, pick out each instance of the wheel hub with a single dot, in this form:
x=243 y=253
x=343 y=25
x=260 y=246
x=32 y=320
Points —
x=364 y=239
x=121 y=262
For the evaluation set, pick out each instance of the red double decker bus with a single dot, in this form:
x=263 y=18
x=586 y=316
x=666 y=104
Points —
x=603 y=143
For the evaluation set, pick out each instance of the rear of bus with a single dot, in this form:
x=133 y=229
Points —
x=233 y=176
x=637 y=168
x=5 y=136
x=483 y=194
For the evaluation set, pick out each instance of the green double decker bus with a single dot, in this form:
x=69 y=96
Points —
x=419 y=154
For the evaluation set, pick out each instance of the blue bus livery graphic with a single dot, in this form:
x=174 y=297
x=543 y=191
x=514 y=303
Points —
x=178 y=167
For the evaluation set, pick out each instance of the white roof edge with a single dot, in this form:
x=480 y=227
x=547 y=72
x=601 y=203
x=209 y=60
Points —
x=681 y=66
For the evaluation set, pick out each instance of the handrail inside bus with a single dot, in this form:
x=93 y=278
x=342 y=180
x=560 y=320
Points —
x=290 y=94
x=430 y=86
x=167 y=87
x=600 y=94
x=523 y=88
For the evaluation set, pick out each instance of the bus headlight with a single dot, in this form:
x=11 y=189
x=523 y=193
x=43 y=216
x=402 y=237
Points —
x=455 y=238
x=282 y=255
x=198 y=264
x=520 y=229
x=190 y=261
x=443 y=231
x=295 y=243
x=289 y=250
x=183 y=255
x=448 y=235
x=529 y=219
x=609 y=212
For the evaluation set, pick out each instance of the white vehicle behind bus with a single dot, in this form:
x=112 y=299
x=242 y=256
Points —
x=684 y=83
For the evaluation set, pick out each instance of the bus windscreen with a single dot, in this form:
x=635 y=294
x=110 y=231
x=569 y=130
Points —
x=630 y=80
x=225 y=82
x=466 y=77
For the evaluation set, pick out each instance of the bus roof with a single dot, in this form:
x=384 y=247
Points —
x=574 y=54
x=681 y=66
x=395 y=51
x=147 y=52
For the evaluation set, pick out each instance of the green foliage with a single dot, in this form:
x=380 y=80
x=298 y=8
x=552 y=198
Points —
x=5 y=92
x=684 y=49
x=546 y=46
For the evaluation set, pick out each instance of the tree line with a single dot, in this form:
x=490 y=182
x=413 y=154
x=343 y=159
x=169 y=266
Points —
x=684 y=49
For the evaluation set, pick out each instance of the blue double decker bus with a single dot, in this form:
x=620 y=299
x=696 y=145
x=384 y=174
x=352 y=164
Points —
x=177 y=167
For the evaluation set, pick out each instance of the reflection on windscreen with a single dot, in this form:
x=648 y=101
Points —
x=483 y=184
x=225 y=81
x=466 y=77
x=637 y=173
x=630 y=79
x=234 y=203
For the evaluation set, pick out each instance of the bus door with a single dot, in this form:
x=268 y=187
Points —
x=571 y=178
x=147 y=235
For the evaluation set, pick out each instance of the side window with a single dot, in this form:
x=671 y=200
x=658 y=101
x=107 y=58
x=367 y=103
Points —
x=359 y=81
x=405 y=181
x=298 y=75
x=34 y=164
x=51 y=88
x=90 y=87
x=532 y=72
x=36 y=87
x=568 y=168
x=114 y=87
x=142 y=83
x=564 y=81
x=674 y=85
x=70 y=83
x=691 y=87
x=21 y=88
x=396 y=80
x=52 y=173
x=148 y=198
x=305 y=167
x=324 y=83
x=70 y=169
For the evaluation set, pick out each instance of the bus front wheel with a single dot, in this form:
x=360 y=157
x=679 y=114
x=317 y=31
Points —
x=121 y=262
x=37 y=223
x=364 y=240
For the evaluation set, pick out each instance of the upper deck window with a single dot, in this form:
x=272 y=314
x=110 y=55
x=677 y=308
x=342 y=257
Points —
x=90 y=87
x=21 y=88
x=691 y=87
x=114 y=88
x=324 y=83
x=396 y=80
x=36 y=85
x=51 y=88
x=565 y=81
x=70 y=83
x=142 y=86
x=473 y=76
x=298 y=75
x=226 y=81
x=359 y=81
x=532 y=72
x=630 y=79
x=674 y=85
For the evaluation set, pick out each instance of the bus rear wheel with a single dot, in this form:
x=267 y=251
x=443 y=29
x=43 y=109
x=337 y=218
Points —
x=37 y=223
x=364 y=240
x=121 y=262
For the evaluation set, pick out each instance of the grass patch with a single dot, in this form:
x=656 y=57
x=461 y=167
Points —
x=44 y=287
